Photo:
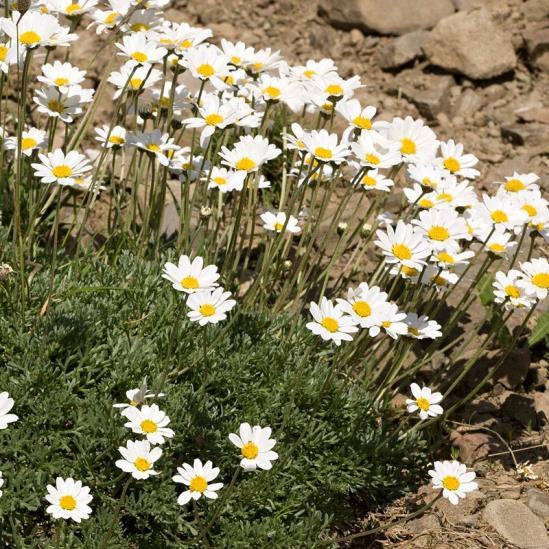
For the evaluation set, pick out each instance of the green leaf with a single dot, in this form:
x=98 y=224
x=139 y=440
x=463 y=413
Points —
x=486 y=289
x=541 y=330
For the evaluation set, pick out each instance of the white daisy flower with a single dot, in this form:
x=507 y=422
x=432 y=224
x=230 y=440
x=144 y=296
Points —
x=325 y=147
x=150 y=421
x=137 y=397
x=441 y=227
x=454 y=480
x=520 y=182
x=416 y=142
x=331 y=323
x=225 y=180
x=457 y=163
x=140 y=50
x=239 y=54
x=249 y=153
x=256 y=446
x=10 y=54
x=275 y=222
x=191 y=277
x=426 y=174
x=499 y=242
x=363 y=304
x=313 y=69
x=451 y=257
x=111 y=137
x=65 y=104
x=425 y=401
x=374 y=150
x=156 y=143
x=70 y=8
x=207 y=63
x=31 y=140
x=535 y=277
x=509 y=291
x=31 y=29
x=355 y=115
x=420 y=327
x=209 y=306
x=275 y=89
x=441 y=280
x=61 y=75
x=134 y=80
x=139 y=458
x=501 y=211
x=6 y=404
x=374 y=180
x=58 y=167
x=403 y=245
x=263 y=61
x=198 y=478
x=69 y=499
x=335 y=88
x=391 y=320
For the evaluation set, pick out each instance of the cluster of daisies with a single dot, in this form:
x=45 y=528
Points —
x=208 y=302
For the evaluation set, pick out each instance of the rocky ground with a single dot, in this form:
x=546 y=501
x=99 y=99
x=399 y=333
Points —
x=478 y=72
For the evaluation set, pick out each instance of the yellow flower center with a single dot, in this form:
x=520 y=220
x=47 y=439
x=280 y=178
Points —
x=439 y=280
x=62 y=171
x=28 y=143
x=136 y=27
x=3 y=52
x=205 y=70
x=245 y=164
x=327 y=107
x=386 y=323
x=362 y=308
x=362 y=122
x=135 y=83
x=401 y=251
x=116 y=139
x=272 y=92
x=236 y=60
x=445 y=197
x=207 y=310
x=68 y=503
x=530 y=210
x=190 y=283
x=428 y=183
x=72 y=8
x=219 y=180
x=257 y=66
x=55 y=105
x=541 y=280
x=514 y=185
x=198 y=484
x=499 y=216
x=61 y=81
x=249 y=450
x=110 y=18
x=372 y=159
x=214 y=119
x=309 y=73
x=512 y=291
x=452 y=164
x=149 y=426
x=496 y=247
x=185 y=44
x=153 y=147
x=415 y=332
x=445 y=257
x=409 y=271
x=325 y=154
x=422 y=402
x=140 y=57
x=407 y=146
x=331 y=324
x=425 y=203
x=438 y=232
x=334 y=89
x=451 y=483
x=369 y=181
x=279 y=226
x=29 y=38
x=141 y=464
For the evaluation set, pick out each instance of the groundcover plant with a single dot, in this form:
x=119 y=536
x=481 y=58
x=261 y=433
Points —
x=209 y=302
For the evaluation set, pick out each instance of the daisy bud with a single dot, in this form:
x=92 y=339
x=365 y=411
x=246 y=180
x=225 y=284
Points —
x=145 y=111
x=286 y=266
x=365 y=229
x=205 y=213
x=342 y=227
x=23 y=5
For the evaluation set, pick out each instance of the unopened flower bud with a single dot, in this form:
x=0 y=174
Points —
x=5 y=271
x=286 y=266
x=342 y=227
x=205 y=212
x=22 y=5
x=365 y=229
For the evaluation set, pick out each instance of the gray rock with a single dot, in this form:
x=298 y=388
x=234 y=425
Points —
x=470 y=43
x=536 y=42
x=541 y=406
x=536 y=10
x=402 y=50
x=468 y=103
x=516 y=523
x=527 y=134
x=538 y=502
x=462 y=5
x=520 y=408
x=428 y=92
x=401 y=17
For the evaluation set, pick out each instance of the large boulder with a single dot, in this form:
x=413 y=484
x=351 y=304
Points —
x=395 y=17
x=516 y=523
x=470 y=43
